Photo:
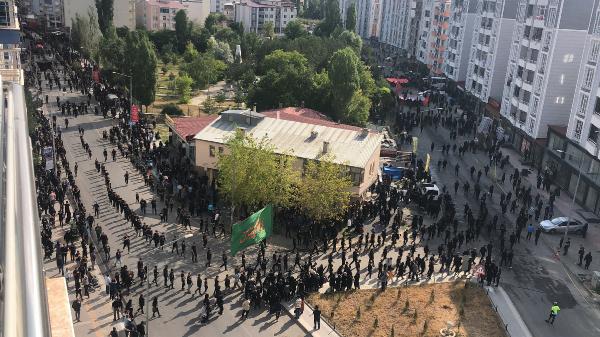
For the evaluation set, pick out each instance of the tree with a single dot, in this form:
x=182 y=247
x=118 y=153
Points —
x=357 y=111
x=142 y=61
x=183 y=84
x=269 y=30
x=287 y=80
x=252 y=175
x=351 y=17
x=220 y=50
x=182 y=29
x=294 y=30
x=323 y=194
x=351 y=39
x=85 y=34
x=111 y=52
x=210 y=106
x=345 y=79
x=204 y=69
x=332 y=18
x=104 y=8
x=213 y=20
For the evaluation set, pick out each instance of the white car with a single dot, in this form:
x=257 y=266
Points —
x=429 y=189
x=559 y=225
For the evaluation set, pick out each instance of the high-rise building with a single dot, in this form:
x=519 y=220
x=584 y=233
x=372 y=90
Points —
x=10 y=43
x=254 y=14
x=160 y=14
x=433 y=34
x=490 y=48
x=368 y=18
x=51 y=12
x=459 y=35
x=544 y=60
x=397 y=23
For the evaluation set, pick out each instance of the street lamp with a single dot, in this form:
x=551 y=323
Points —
x=186 y=236
x=130 y=87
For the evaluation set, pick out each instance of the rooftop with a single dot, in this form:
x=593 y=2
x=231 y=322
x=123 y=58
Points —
x=300 y=136
x=188 y=127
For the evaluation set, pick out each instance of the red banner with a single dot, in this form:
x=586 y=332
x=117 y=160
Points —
x=135 y=114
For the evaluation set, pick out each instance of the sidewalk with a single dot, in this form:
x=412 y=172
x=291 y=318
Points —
x=515 y=327
x=306 y=321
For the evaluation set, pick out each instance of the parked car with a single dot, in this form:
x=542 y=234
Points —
x=430 y=189
x=559 y=225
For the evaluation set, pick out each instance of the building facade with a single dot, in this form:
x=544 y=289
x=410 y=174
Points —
x=160 y=14
x=368 y=18
x=433 y=34
x=10 y=43
x=545 y=55
x=124 y=13
x=253 y=15
x=490 y=48
x=459 y=35
x=292 y=131
x=51 y=12
x=397 y=17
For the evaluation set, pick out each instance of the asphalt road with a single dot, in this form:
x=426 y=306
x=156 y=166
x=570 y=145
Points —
x=536 y=279
x=180 y=311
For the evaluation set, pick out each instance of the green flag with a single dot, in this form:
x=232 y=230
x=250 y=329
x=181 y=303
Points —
x=252 y=230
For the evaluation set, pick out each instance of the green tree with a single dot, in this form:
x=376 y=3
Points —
x=294 y=30
x=332 y=18
x=323 y=194
x=210 y=106
x=199 y=38
x=204 y=69
x=213 y=20
x=85 y=34
x=111 y=52
x=287 y=80
x=142 y=61
x=268 y=30
x=351 y=39
x=182 y=29
x=357 y=110
x=183 y=84
x=220 y=97
x=351 y=17
x=104 y=8
x=220 y=50
x=252 y=175
x=345 y=79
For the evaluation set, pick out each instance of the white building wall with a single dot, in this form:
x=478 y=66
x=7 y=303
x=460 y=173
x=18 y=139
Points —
x=74 y=7
x=500 y=60
x=124 y=13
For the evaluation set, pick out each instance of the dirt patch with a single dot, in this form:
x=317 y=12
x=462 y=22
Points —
x=411 y=311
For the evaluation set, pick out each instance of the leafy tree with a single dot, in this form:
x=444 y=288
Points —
x=351 y=39
x=220 y=50
x=269 y=30
x=351 y=17
x=313 y=9
x=332 y=18
x=199 y=38
x=172 y=110
x=122 y=32
x=220 y=97
x=242 y=73
x=112 y=51
x=142 y=61
x=210 y=106
x=252 y=175
x=162 y=38
x=85 y=34
x=357 y=111
x=213 y=20
x=104 y=8
x=323 y=194
x=287 y=79
x=182 y=29
x=345 y=79
x=294 y=30
x=190 y=53
x=183 y=84
x=237 y=27
x=227 y=35
x=204 y=69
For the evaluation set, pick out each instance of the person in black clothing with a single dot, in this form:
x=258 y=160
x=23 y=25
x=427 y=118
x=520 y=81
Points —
x=317 y=317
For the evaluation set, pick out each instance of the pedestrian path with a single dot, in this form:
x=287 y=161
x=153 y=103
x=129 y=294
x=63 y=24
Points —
x=515 y=327
x=306 y=321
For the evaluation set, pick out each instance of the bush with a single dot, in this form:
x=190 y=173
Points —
x=172 y=110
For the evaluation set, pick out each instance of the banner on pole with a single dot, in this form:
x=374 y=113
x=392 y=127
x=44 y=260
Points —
x=254 y=229
x=135 y=114
x=48 y=154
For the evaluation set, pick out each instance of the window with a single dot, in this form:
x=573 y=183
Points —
x=568 y=58
x=588 y=77
x=583 y=103
x=220 y=150
x=211 y=150
x=593 y=57
x=165 y=10
x=597 y=106
x=577 y=131
x=4 y=14
x=593 y=135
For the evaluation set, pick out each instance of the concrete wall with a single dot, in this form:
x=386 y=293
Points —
x=501 y=56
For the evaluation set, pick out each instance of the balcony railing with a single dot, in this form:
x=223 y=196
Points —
x=23 y=300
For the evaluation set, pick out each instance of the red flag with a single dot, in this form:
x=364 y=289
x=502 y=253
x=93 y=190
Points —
x=135 y=116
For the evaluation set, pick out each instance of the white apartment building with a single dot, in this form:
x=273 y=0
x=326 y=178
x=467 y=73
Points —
x=584 y=122
x=490 y=48
x=397 y=17
x=433 y=34
x=218 y=6
x=10 y=43
x=160 y=14
x=545 y=55
x=459 y=35
x=368 y=18
x=253 y=15
x=50 y=11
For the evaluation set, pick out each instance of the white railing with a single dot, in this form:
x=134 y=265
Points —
x=23 y=291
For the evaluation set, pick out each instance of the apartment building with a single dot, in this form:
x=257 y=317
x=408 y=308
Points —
x=459 y=35
x=51 y=12
x=433 y=34
x=544 y=60
x=10 y=43
x=253 y=15
x=124 y=13
x=368 y=18
x=490 y=48
x=160 y=14
x=218 y=6
x=397 y=18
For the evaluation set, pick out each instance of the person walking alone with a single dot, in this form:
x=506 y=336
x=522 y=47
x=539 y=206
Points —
x=553 y=313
